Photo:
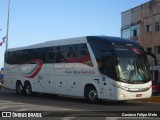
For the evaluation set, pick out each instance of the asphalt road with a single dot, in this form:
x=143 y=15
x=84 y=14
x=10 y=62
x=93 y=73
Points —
x=72 y=108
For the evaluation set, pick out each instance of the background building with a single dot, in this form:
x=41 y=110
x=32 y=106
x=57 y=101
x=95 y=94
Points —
x=142 y=24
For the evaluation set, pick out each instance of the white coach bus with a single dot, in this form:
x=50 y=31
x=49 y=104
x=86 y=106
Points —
x=93 y=67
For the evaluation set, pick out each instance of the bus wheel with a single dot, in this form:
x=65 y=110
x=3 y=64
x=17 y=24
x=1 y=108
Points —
x=91 y=95
x=28 y=89
x=19 y=88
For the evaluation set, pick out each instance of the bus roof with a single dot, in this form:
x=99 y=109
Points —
x=77 y=40
x=113 y=40
x=68 y=41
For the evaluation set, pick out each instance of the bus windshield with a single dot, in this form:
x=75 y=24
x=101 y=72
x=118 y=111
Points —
x=132 y=64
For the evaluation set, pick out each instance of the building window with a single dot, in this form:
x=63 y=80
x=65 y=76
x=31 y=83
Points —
x=126 y=33
x=149 y=50
x=134 y=33
x=157 y=26
x=157 y=49
x=149 y=28
x=135 y=30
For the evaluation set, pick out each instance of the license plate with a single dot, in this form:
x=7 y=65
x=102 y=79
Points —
x=138 y=95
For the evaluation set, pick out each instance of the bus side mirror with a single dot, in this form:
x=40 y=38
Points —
x=154 y=56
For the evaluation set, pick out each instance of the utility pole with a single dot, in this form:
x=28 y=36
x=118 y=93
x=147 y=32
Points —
x=8 y=24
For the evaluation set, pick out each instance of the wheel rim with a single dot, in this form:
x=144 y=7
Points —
x=28 y=89
x=92 y=95
x=20 y=89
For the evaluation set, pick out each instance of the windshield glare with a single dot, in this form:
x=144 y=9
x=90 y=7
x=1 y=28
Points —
x=133 y=64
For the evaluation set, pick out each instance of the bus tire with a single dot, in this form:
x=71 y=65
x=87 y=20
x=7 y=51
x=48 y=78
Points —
x=91 y=94
x=28 y=89
x=19 y=88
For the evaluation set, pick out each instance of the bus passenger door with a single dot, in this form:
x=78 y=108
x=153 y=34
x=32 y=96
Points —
x=109 y=74
x=107 y=88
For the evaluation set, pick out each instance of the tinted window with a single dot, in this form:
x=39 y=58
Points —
x=104 y=57
x=60 y=54
x=83 y=55
x=50 y=58
x=41 y=53
x=77 y=53
x=71 y=53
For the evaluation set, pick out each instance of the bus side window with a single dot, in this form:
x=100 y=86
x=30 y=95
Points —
x=24 y=57
x=99 y=63
x=60 y=55
x=108 y=66
x=83 y=55
x=50 y=57
x=41 y=54
x=71 y=54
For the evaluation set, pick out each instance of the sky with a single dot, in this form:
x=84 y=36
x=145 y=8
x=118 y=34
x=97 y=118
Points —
x=37 y=21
